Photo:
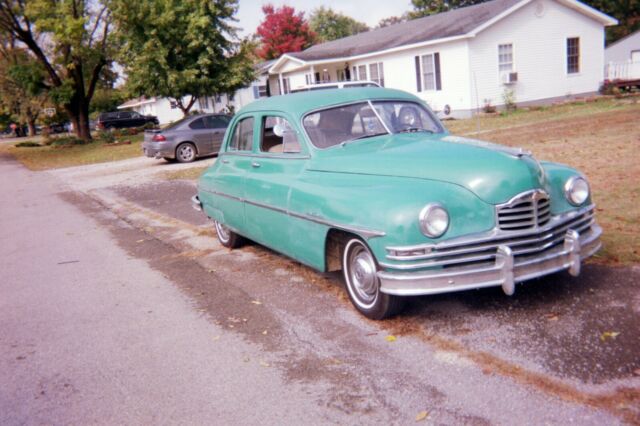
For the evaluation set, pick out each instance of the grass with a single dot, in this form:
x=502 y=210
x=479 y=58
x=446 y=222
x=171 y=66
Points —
x=51 y=157
x=602 y=139
x=191 y=173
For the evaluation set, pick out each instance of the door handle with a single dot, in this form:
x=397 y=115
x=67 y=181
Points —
x=255 y=165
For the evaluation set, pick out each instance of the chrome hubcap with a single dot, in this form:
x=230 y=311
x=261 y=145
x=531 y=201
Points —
x=186 y=152
x=223 y=232
x=361 y=275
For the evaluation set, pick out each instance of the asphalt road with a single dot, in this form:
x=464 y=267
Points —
x=117 y=305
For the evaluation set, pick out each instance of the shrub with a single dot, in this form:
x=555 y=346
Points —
x=66 y=141
x=509 y=98
x=106 y=136
x=149 y=126
x=27 y=144
x=487 y=107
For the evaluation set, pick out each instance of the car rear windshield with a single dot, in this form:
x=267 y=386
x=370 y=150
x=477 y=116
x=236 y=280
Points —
x=363 y=120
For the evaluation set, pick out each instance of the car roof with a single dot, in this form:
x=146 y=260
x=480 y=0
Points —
x=298 y=104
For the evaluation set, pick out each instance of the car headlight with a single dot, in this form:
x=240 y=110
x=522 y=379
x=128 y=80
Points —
x=576 y=190
x=434 y=220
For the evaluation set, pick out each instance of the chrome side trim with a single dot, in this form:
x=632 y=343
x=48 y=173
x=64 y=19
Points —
x=364 y=232
x=266 y=155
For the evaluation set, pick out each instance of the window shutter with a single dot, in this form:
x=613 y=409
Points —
x=256 y=93
x=436 y=60
x=418 y=74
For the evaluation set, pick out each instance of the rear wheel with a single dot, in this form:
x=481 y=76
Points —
x=363 y=285
x=185 y=152
x=227 y=237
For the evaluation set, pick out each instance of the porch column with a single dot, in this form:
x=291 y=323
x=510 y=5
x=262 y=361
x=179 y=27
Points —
x=280 y=83
x=313 y=75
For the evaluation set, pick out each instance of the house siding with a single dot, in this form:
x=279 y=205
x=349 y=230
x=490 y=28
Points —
x=539 y=49
x=621 y=51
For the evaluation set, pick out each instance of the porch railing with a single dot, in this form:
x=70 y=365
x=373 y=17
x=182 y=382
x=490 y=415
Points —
x=622 y=71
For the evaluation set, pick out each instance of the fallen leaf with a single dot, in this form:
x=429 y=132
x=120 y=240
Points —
x=246 y=359
x=609 y=334
x=265 y=332
x=264 y=364
x=552 y=317
x=216 y=338
x=390 y=338
x=421 y=416
x=636 y=372
x=140 y=241
x=256 y=302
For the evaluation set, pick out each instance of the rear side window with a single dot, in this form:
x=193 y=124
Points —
x=124 y=115
x=242 y=138
x=217 y=121
x=197 y=124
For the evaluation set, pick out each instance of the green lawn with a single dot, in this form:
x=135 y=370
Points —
x=50 y=157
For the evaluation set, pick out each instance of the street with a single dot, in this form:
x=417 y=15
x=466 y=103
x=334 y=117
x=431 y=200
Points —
x=118 y=305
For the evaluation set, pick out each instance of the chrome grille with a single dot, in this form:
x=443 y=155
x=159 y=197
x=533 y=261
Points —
x=528 y=210
x=483 y=248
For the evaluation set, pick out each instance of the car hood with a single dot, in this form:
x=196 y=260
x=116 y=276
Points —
x=493 y=172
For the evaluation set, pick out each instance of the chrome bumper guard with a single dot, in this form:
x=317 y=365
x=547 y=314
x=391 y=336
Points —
x=196 y=204
x=505 y=271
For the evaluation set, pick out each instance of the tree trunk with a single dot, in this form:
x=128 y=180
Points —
x=32 y=126
x=78 y=110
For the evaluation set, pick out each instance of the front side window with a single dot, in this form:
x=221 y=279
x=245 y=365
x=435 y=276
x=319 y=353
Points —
x=505 y=57
x=573 y=55
x=242 y=137
x=278 y=136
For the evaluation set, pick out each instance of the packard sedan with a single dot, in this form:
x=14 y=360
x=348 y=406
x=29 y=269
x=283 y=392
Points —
x=369 y=181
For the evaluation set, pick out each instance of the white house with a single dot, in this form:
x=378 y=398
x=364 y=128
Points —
x=623 y=58
x=167 y=111
x=535 y=51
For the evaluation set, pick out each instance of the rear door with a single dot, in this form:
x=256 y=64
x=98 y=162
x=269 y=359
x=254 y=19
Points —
x=222 y=187
x=218 y=125
x=200 y=134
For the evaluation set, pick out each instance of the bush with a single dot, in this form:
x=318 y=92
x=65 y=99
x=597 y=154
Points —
x=150 y=126
x=106 y=136
x=66 y=141
x=509 y=98
x=487 y=107
x=27 y=144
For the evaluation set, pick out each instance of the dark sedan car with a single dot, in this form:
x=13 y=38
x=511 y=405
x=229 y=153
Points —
x=124 y=119
x=185 y=140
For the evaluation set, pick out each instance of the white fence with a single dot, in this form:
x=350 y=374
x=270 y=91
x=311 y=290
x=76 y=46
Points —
x=622 y=71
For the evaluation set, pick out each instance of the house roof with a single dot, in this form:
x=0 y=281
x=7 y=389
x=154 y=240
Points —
x=633 y=34
x=457 y=23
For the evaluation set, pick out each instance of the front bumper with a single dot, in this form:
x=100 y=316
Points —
x=505 y=270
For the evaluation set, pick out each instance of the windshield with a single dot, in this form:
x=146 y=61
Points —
x=358 y=121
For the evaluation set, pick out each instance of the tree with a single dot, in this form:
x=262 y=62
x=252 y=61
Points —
x=392 y=20
x=71 y=41
x=283 y=30
x=626 y=12
x=21 y=84
x=331 y=25
x=423 y=8
x=181 y=49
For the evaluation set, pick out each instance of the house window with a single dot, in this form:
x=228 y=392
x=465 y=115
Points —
x=308 y=79
x=428 y=72
x=263 y=91
x=376 y=73
x=505 y=57
x=362 y=72
x=326 y=77
x=203 y=103
x=341 y=75
x=573 y=55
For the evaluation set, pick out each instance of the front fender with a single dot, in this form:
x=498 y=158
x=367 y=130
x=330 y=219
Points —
x=556 y=177
x=390 y=205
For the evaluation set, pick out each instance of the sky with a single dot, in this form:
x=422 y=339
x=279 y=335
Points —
x=368 y=11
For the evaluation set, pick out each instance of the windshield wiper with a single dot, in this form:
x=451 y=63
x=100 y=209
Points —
x=363 y=137
x=415 y=130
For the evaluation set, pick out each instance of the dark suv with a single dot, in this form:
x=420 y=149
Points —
x=122 y=119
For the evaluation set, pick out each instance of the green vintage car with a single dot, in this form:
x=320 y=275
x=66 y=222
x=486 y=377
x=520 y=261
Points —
x=368 y=181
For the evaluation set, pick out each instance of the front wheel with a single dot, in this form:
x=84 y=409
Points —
x=227 y=237
x=363 y=285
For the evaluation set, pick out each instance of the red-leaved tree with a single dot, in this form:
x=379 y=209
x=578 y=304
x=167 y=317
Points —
x=283 y=30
